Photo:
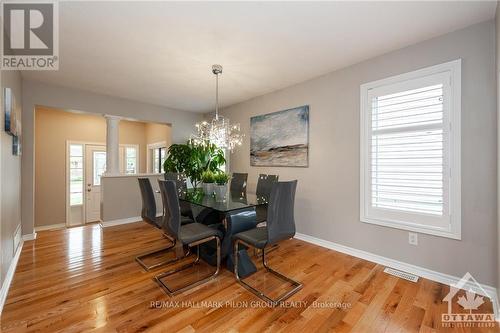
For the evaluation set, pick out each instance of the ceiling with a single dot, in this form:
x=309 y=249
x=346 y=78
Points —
x=162 y=52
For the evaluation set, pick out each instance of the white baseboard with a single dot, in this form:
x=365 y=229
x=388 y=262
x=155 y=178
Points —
x=112 y=223
x=443 y=278
x=29 y=237
x=10 y=275
x=50 y=227
x=17 y=238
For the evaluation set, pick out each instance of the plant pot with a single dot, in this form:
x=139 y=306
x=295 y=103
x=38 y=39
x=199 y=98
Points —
x=220 y=192
x=208 y=188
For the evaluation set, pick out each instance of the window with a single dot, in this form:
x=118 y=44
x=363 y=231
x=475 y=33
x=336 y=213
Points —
x=75 y=174
x=99 y=163
x=159 y=156
x=156 y=156
x=130 y=160
x=410 y=151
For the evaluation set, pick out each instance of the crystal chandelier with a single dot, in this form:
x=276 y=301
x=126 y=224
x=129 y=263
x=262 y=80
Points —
x=219 y=131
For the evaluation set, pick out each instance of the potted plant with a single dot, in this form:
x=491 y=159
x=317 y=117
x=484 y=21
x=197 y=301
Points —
x=220 y=186
x=207 y=177
x=193 y=158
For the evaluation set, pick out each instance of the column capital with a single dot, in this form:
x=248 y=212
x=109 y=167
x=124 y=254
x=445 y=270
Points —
x=112 y=117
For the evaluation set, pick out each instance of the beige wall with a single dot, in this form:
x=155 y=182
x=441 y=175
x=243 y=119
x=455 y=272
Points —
x=135 y=133
x=53 y=128
x=158 y=133
x=64 y=98
x=10 y=180
x=327 y=201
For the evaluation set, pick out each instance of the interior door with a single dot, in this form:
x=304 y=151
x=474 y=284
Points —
x=95 y=157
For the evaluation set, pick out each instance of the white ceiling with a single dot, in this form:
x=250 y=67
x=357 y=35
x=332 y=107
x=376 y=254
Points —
x=162 y=52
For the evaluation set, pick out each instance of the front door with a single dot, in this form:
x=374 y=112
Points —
x=95 y=157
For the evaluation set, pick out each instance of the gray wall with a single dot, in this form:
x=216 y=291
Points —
x=327 y=201
x=115 y=190
x=36 y=93
x=497 y=23
x=10 y=196
x=497 y=40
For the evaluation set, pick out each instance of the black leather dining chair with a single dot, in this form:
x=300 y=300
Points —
x=190 y=235
x=238 y=183
x=181 y=183
x=148 y=211
x=263 y=191
x=148 y=214
x=280 y=226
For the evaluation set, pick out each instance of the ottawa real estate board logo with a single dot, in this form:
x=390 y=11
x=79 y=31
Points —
x=466 y=305
x=30 y=35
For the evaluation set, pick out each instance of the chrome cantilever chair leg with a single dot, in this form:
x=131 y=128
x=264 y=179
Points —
x=172 y=292
x=140 y=258
x=296 y=285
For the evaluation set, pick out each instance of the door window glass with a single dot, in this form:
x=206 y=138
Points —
x=75 y=174
x=99 y=166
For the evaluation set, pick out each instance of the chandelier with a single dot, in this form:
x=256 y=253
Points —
x=219 y=131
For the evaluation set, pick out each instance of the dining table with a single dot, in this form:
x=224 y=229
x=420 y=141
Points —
x=236 y=213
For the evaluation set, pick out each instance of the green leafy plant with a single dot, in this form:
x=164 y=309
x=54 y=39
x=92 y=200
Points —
x=208 y=177
x=194 y=158
x=179 y=158
x=221 y=178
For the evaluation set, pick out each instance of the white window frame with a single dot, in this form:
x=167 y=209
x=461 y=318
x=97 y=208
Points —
x=452 y=151
x=68 y=173
x=150 y=154
x=123 y=158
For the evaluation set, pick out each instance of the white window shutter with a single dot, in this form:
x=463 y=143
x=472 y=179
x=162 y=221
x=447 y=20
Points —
x=408 y=151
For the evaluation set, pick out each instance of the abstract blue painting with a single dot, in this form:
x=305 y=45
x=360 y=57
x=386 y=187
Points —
x=280 y=138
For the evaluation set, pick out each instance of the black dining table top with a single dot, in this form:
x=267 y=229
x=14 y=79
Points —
x=233 y=201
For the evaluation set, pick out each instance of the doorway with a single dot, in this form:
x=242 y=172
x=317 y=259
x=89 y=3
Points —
x=86 y=163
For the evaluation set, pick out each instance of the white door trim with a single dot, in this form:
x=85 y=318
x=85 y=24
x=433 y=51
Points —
x=84 y=143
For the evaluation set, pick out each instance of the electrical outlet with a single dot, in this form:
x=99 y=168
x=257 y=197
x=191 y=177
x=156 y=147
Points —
x=413 y=238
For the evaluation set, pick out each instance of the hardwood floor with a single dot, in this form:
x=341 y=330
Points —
x=86 y=279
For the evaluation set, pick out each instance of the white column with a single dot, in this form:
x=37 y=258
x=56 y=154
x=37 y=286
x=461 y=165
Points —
x=112 y=145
